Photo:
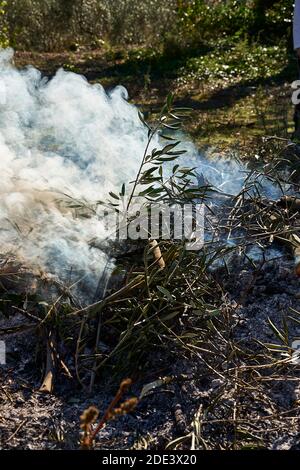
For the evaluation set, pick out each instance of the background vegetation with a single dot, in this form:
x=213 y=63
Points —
x=230 y=60
x=50 y=25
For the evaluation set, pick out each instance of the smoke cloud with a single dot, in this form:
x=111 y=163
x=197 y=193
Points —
x=63 y=137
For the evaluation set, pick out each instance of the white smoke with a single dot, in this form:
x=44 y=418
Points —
x=61 y=136
x=65 y=136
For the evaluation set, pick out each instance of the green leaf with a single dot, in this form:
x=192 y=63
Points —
x=170 y=100
x=177 y=152
x=167 y=137
x=142 y=119
x=146 y=191
x=184 y=110
x=149 y=172
x=166 y=293
x=155 y=153
x=170 y=147
x=166 y=159
x=172 y=127
x=113 y=195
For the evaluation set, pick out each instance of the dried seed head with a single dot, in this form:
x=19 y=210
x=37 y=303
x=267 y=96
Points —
x=89 y=416
x=116 y=412
x=86 y=443
x=129 y=405
x=125 y=408
x=125 y=384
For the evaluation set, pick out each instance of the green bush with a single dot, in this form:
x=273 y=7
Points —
x=266 y=20
x=179 y=25
x=40 y=24
x=279 y=19
x=244 y=61
x=57 y=24
x=206 y=21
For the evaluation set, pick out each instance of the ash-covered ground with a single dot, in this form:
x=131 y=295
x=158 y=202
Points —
x=234 y=393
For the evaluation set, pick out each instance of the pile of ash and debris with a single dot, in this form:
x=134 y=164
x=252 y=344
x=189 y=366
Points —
x=237 y=387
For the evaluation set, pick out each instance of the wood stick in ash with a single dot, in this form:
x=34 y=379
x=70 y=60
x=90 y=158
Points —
x=157 y=254
x=289 y=202
x=295 y=239
x=47 y=385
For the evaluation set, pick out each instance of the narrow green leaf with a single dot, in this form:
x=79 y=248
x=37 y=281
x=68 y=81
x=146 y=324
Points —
x=170 y=100
x=113 y=195
x=165 y=292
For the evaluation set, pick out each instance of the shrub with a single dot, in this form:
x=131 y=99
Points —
x=205 y=19
x=179 y=24
x=266 y=19
x=57 y=24
x=244 y=61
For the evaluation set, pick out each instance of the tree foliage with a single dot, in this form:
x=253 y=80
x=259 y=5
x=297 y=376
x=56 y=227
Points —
x=50 y=25
x=267 y=20
x=57 y=24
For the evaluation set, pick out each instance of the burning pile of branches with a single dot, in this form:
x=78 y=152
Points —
x=149 y=293
x=153 y=294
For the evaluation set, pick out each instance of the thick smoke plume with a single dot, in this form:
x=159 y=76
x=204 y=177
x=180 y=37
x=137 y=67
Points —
x=66 y=137
x=57 y=137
